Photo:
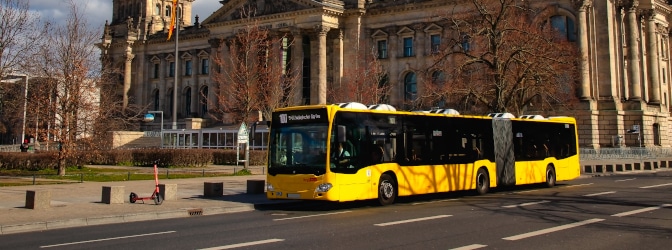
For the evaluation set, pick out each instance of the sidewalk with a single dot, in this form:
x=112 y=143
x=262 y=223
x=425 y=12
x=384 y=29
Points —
x=79 y=204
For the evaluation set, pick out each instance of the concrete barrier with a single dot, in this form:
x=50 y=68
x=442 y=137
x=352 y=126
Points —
x=113 y=195
x=213 y=189
x=168 y=191
x=38 y=199
x=255 y=186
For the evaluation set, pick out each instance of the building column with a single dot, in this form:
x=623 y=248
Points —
x=652 y=56
x=321 y=84
x=338 y=58
x=127 y=78
x=633 y=53
x=297 y=65
x=583 y=49
x=397 y=91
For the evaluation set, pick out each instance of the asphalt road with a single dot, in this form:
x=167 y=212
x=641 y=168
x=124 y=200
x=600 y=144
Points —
x=623 y=211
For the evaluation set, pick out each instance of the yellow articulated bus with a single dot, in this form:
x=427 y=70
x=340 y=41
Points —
x=348 y=151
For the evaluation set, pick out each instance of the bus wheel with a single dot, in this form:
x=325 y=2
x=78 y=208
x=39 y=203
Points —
x=550 y=176
x=482 y=181
x=387 y=190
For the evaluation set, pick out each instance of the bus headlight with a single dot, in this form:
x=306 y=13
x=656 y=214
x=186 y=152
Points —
x=269 y=187
x=324 y=187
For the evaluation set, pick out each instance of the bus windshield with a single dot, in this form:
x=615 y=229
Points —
x=298 y=149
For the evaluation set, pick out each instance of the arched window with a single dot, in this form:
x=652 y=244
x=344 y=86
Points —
x=204 y=101
x=565 y=26
x=172 y=100
x=187 y=102
x=157 y=9
x=167 y=11
x=656 y=134
x=156 y=101
x=410 y=87
x=438 y=77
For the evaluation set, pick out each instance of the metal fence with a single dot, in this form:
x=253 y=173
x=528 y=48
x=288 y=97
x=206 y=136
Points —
x=625 y=153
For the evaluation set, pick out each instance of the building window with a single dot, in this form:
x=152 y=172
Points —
x=157 y=9
x=466 y=43
x=171 y=70
x=382 y=49
x=187 y=102
x=438 y=77
x=168 y=10
x=564 y=26
x=187 y=68
x=410 y=87
x=204 y=101
x=156 y=101
x=156 y=71
x=172 y=101
x=408 y=46
x=435 y=41
x=205 y=66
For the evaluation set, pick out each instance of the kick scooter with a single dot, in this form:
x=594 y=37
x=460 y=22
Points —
x=156 y=196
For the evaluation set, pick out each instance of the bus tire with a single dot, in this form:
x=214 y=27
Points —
x=550 y=176
x=387 y=190
x=482 y=182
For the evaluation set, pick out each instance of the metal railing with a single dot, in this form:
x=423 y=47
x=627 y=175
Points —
x=625 y=153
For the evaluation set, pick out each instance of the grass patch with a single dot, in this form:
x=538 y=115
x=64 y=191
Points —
x=87 y=174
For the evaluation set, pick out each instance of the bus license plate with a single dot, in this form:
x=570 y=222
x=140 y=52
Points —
x=293 y=196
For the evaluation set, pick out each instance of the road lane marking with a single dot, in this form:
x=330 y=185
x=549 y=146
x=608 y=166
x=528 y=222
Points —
x=525 y=204
x=411 y=220
x=596 y=194
x=661 y=185
x=430 y=202
x=631 y=179
x=106 y=239
x=308 y=216
x=246 y=244
x=469 y=247
x=578 y=185
x=641 y=210
x=553 y=229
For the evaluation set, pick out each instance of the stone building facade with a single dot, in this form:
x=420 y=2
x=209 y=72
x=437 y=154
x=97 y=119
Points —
x=625 y=71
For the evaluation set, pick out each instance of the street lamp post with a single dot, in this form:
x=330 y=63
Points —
x=25 y=107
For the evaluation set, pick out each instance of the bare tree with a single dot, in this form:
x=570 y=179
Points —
x=503 y=56
x=367 y=81
x=253 y=76
x=19 y=33
x=69 y=69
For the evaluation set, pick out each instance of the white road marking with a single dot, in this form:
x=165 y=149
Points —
x=246 y=244
x=631 y=179
x=308 y=216
x=525 y=204
x=641 y=210
x=553 y=229
x=106 y=239
x=578 y=185
x=430 y=202
x=596 y=194
x=661 y=185
x=469 y=247
x=411 y=220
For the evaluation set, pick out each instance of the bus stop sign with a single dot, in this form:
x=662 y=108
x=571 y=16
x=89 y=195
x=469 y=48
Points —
x=243 y=133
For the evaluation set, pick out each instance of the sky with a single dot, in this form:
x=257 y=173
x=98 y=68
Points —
x=97 y=11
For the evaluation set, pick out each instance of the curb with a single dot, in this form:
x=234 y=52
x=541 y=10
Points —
x=135 y=217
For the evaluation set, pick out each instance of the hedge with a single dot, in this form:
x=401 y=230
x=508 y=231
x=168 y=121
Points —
x=136 y=157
